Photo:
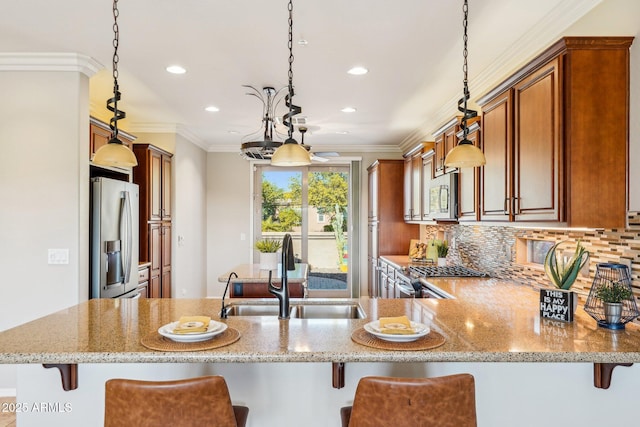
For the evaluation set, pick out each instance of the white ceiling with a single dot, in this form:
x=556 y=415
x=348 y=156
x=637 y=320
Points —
x=413 y=49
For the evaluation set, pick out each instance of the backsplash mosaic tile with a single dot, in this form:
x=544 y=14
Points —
x=492 y=249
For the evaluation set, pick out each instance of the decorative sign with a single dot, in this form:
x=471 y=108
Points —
x=557 y=304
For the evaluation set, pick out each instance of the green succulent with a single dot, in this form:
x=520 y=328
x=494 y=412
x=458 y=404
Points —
x=268 y=245
x=564 y=272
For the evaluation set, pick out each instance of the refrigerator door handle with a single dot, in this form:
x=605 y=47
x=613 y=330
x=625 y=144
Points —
x=125 y=235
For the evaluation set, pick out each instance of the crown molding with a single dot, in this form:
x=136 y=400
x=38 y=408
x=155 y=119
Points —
x=342 y=148
x=45 y=61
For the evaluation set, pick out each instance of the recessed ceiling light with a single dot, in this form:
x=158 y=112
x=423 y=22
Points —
x=176 y=69
x=342 y=132
x=358 y=71
x=233 y=132
x=348 y=110
x=303 y=42
x=212 y=109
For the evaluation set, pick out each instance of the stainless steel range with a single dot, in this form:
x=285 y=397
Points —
x=424 y=289
x=448 y=271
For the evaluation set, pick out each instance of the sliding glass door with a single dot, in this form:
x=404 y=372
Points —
x=311 y=204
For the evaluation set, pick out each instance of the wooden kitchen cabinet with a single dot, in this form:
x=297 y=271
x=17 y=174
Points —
x=445 y=139
x=469 y=180
x=143 y=280
x=555 y=136
x=427 y=176
x=100 y=134
x=153 y=176
x=388 y=234
x=412 y=187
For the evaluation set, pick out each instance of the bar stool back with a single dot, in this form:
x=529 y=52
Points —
x=447 y=401
x=191 y=402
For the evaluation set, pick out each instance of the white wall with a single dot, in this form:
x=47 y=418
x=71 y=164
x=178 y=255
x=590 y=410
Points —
x=44 y=189
x=189 y=261
x=228 y=216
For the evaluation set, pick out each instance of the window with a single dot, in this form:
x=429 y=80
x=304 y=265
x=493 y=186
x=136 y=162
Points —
x=313 y=205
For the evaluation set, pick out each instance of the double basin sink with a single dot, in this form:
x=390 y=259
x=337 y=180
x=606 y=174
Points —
x=299 y=310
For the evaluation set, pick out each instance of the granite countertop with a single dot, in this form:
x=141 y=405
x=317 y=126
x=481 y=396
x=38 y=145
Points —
x=489 y=321
x=251 y=273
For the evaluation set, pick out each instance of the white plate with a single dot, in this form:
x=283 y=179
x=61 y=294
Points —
x=374 y=329
x=214 y=329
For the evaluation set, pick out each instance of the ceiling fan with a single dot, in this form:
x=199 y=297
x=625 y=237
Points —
x=320 y=156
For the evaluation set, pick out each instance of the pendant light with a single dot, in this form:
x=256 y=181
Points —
x=465 y=154
x=115 y=153
x=290 y=153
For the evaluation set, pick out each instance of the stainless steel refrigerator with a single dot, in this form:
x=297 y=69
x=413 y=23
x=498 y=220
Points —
x=114 y=239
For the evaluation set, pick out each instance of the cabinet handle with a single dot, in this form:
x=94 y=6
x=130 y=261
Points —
x=515 y=205
x=506 y=206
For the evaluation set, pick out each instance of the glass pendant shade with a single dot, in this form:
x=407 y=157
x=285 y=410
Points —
x=115 y=154
x=465 y=155
x=291 y=154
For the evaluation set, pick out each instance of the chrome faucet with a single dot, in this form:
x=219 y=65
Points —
x=288 y=263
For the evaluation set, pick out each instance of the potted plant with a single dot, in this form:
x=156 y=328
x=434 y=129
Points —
x=561 y=304
x=563 y=271
x=443 y=250
x=612 y=295
x=268 y=249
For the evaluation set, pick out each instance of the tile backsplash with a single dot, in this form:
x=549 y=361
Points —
x=492 y=249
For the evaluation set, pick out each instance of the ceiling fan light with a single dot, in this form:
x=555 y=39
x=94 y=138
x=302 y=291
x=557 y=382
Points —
x=291 y=154
x=465 y=155
x=115 y=154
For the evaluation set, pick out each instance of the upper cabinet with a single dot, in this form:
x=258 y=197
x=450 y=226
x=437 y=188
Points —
x=153 y=174
x=468 y=179
x=555 y=136
x=413 y=184
x=100 y=134
x=445 y=139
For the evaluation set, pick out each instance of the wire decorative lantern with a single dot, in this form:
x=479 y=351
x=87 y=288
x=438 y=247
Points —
x=611 y=301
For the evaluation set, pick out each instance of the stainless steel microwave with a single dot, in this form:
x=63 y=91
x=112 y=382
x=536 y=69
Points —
x=443 y=197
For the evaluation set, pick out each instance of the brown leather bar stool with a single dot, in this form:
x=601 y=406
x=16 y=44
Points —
x=192 y=402
x=447 y=401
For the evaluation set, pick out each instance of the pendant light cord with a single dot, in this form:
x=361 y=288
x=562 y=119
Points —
x=112 y=103
x=462 y=103
x=288 y=100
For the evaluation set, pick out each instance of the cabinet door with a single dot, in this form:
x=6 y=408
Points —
x=155 y=249
x=98 y=137
x=165 y=207
x=154 y=287
x=156 y=187
x=416 y=187
x=468 y=191
x=427 y=176
x=496 y=175
x=537 y=146
x=166 y=260
x=450 y=141
x=438 y=161
x=373 y=193
x=406 y=187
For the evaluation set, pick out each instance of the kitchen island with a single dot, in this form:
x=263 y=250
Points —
x=490 y=325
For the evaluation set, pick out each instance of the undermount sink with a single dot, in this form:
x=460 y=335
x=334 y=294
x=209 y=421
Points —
x=315 y=310
x=328 y=311
x=253 y=310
